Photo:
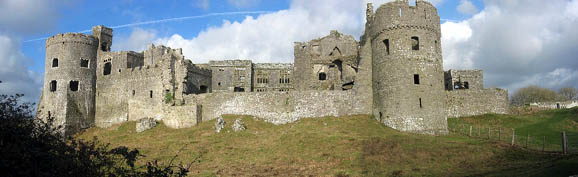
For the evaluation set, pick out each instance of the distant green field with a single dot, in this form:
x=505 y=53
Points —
x=348 y=146
x=545 y=124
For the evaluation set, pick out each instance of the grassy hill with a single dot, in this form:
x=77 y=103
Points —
x=346 y=146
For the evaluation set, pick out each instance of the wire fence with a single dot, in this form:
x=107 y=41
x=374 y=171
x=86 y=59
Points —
x=564 y=142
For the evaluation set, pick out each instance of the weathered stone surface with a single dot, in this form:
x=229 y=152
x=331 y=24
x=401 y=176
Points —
x=145 y=124
x=469 y=102
x=219 y=124
x=238 y=125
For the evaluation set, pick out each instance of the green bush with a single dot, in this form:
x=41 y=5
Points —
x=31 y=147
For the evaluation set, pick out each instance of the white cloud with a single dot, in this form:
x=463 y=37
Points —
x=244 y=3
x=27 y=15
x=517 y=43
x=467 y=7
x=14 y=73
x=137 y=41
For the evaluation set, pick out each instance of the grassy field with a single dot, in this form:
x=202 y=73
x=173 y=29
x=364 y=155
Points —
x=346 y=146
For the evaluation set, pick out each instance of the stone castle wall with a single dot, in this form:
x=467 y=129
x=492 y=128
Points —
x=280 y=107
x=462 y=103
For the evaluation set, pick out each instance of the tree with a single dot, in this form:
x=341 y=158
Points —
x=533 y=94
x=568 y=93
x=31 y=147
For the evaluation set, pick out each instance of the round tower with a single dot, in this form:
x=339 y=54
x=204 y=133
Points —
x=69 y=82
x=408 y=85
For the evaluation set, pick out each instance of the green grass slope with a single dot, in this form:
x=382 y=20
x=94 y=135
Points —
x=344 y=146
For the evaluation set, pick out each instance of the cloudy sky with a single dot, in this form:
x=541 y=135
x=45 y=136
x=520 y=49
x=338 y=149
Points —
x=516 y=42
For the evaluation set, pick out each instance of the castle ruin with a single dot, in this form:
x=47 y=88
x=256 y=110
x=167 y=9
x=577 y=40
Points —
x=395 y=73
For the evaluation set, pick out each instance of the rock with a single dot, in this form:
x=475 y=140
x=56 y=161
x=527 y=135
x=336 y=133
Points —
x=145 y=124
x=238 y=125
x=219 y=124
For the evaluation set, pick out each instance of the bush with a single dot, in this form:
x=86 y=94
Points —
x=533 y=94
x=31 y=147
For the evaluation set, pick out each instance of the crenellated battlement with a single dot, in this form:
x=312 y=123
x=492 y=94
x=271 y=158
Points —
x=75 y=38
x=399 y=15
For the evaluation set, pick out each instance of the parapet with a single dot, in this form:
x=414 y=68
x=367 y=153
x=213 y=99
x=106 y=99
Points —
x=273 y=66
x=102 y=30
x=78 y=38
x=400 y=14
x=230 y=62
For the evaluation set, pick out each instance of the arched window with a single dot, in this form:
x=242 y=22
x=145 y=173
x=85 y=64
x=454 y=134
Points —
x=322 y=76
x=55 y=62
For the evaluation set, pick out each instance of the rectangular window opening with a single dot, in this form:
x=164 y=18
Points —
x=415 y=43
x=74 y=86
x=84 y=63
x=416 y=79
x=151 y=94
x=55 y=63
x=420 y=105
x=53 y=86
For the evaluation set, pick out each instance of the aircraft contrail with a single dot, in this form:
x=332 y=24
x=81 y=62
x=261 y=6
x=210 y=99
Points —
x=169 y=20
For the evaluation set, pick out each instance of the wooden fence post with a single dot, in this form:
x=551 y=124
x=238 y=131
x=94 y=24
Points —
x=564 y=143
x=470 y=131
x=513 y=136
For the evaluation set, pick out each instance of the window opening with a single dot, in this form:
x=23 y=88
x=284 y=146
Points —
x=415 y=43
x=412 y=2
x=107 y=68
x=420 y=105
x=74 y=86
x=416 y=79
x=53 y=86
x=133 y=92
x=84 y=63
x=386 y=42
x=400 y=12
x=239 y=89
x=203 y=89
x=322 y=76
x=466 y=85
x=151 y=94
x=55 y=62
x=104 y=46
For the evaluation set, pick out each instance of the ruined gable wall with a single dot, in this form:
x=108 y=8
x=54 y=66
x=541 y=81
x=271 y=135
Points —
x=335 y=55
x=146 y=84
x=460 y=103
x=473 y=78
x=281 y=107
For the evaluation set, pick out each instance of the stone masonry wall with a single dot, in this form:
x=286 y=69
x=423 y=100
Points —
x=460 y=103
x=281 y=107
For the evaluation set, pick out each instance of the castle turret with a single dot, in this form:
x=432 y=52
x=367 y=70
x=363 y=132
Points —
x=408 y=80
x=68 y=95
x=104 y=36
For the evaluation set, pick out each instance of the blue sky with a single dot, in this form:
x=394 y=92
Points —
x=516 y=42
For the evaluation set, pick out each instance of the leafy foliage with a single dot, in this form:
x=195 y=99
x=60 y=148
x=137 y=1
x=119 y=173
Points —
x=532 y=94
x=31 y=147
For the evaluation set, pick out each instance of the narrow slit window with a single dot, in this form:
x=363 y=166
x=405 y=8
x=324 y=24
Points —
x=84 y=63
x=55 y=62
x=416 y=79
x=420 y=104
x=53 y=86
x=400 y=12
x=386 y=42
x=74 y=86
x=151 y=94
x=133 y=92
x=415 y=43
